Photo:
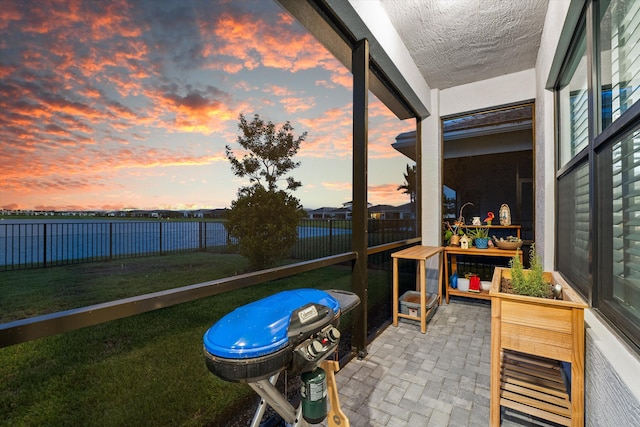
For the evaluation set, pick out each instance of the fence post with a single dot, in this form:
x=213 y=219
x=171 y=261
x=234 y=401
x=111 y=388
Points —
x=200 y=227
x=160 y=233
x=44 y=245
x=110 y=240
x=330 y=236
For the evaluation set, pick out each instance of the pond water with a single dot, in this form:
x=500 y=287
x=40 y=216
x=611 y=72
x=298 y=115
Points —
x=25 y=242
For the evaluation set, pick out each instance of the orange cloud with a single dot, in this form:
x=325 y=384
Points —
x=294 y=105
x=8 y=14
x=336 y=186
x=94 y=91
x=386 y=194
x=204 y=110
x=11 y=207
x=235 y=39
x=329 y=134
x=279 y=90
x=6 y=70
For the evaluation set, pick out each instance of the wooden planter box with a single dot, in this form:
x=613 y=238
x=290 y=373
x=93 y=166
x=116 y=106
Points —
x=529 y=337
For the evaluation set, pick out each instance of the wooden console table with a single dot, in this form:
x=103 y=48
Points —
x=453 y=251
x=420 y=254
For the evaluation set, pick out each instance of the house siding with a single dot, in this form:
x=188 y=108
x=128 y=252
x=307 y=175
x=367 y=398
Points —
x=608 y=399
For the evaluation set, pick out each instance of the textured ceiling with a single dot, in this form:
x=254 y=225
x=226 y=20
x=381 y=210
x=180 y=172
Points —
x=454 y=42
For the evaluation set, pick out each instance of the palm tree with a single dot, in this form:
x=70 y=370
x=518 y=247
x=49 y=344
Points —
x=409 y=187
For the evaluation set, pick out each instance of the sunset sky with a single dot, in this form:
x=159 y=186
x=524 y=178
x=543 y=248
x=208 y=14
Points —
x=109 y=105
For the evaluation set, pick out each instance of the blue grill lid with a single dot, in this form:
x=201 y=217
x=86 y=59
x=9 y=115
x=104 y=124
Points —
x=260 y=328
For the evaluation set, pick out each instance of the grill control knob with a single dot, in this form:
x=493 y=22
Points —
x=333 y=334
x=314 y=348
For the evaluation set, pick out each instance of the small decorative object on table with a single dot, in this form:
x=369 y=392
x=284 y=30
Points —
x=474 y=283
x=505 y=215
x=453 y=281
x=489 y=218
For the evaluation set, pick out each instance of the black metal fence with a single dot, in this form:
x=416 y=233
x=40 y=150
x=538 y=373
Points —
x=33 y=244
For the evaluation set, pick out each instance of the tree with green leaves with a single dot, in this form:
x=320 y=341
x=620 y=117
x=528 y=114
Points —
x=264 y=218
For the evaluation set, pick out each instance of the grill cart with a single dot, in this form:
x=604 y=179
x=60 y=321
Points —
x=294 y=331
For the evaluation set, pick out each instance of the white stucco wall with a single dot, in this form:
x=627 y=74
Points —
x=488 y=93
x=381 y=32
x=432 y=175
x=545 y=134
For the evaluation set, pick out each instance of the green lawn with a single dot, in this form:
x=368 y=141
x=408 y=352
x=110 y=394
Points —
x=27 y=293
x=142 y=370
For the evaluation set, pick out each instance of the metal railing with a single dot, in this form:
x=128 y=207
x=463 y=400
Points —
x=63 y=321
x=37 y=327
x=34 y=244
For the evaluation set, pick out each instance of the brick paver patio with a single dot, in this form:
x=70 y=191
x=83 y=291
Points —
x=437 y=379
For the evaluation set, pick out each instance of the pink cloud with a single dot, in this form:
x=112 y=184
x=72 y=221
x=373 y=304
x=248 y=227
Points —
x=386 y=194
x=8 y=14
x=337 y=186
x=235 y=39
x=294 y=105
x=97 y=92
x=277 y=90
x=329 y=134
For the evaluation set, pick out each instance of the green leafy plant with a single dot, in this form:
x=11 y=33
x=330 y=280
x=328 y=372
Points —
x=263 y=219
x=529 y=282
x=478 y=232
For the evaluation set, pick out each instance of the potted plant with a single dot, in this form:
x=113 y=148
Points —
x=480 y=236
x=452 y=234
x=537 y=321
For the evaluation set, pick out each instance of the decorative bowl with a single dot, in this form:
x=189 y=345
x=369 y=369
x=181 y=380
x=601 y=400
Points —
x=510 y=246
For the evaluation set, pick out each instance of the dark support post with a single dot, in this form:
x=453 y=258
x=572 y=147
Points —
x=359 y=280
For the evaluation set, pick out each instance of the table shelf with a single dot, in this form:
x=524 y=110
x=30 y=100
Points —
x=456 y=293
x=420 y=254
x=535 y=386
x=451 y=252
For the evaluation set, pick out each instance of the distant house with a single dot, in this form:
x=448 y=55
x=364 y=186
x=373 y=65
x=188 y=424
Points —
x=330 y=213
x=205 y=213
x=321 y=213
x=391 y=212
x=375 y=212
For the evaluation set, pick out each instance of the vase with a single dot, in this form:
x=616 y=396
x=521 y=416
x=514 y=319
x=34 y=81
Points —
x=482 y=242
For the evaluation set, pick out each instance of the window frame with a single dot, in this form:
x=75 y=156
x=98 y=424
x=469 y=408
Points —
x=619 y=129
x=567 y=66
x=600 y=245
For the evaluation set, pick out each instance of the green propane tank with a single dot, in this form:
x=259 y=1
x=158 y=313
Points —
x=314 y=395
